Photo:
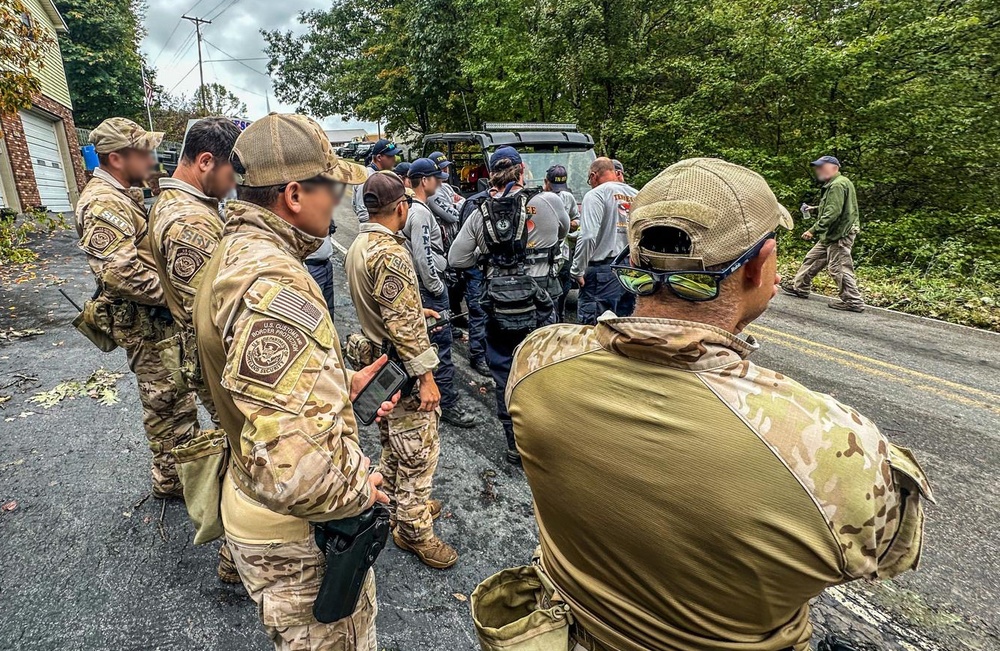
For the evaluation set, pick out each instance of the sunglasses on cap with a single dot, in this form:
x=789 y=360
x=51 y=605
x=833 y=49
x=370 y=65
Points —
x=691 y=285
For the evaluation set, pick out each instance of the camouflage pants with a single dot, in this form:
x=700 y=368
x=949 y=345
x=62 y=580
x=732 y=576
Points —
x=410 y=448
x=169 y=411
x=283 y=579
x=195 y=379
x=836 y=256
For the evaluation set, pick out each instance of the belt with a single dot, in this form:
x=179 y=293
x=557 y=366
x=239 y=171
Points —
x=599 y=263
x=318 y=263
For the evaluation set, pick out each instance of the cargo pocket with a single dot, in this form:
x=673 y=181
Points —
x=289 y=602
x=170 y=351
x=903 y=553
x=201 y=465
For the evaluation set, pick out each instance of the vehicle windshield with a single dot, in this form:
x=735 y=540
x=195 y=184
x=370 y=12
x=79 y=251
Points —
x=577 y=164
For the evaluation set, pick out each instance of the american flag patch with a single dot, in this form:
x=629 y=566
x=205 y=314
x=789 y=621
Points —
x=293 y=306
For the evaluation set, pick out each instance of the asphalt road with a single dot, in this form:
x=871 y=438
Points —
x=87 y=563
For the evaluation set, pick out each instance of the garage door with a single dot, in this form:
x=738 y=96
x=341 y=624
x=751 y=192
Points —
x=47 y=162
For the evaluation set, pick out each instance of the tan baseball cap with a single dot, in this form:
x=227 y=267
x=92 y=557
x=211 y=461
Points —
x=121 y=133
x=724 y=210
x=285 y=147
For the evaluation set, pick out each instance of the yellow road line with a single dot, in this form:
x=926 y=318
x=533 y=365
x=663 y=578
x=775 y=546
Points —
x=877 y=362
x=898 y=374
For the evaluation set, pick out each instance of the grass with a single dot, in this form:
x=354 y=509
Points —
x=971 y=300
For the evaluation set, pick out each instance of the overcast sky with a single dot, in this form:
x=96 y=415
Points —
x=170 y=47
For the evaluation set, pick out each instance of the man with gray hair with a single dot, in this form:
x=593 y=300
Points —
x=835 y=230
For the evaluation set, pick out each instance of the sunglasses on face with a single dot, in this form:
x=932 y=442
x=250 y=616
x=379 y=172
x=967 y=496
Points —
x=688 y=285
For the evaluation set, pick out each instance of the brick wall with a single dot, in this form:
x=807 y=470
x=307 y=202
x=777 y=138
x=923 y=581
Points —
x=20 y=160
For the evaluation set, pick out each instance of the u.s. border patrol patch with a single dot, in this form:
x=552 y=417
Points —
x=101 y=239
x=271 y=348
x=187 y=262
x=389 y=289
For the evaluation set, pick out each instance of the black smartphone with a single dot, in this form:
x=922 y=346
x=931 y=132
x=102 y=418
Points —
x=389 y=379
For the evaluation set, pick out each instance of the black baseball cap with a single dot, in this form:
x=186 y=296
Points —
x=425 y=167
x=556 y=176
x=825 y=159
x=385 y=147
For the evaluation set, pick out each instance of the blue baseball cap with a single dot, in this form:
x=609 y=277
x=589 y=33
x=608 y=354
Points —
x=503 y=158
x=439 y=158
x=402 y=169
x=385 y=147
x=825 y=159
x=425 y=167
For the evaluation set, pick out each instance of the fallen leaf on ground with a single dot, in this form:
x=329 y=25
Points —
x=460 y=596
x=9 y=506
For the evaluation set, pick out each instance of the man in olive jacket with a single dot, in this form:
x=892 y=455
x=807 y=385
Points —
x=834 y=231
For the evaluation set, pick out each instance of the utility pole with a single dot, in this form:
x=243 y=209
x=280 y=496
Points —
x=198 y=22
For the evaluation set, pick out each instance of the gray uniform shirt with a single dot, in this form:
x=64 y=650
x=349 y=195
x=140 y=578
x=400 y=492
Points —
x=548 y=226
x=323 y=253
x=603 y=224
x=423 y=237
x=574 y=214
x=443 y=205
x=358 y=200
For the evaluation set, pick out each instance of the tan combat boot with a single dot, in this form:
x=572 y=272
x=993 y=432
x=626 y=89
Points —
x=432 y=552
x=435 y=508
x=227 y=568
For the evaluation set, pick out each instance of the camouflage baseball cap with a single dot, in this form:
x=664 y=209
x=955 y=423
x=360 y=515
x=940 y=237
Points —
x=721 y=210
x=285 y=147
x=121 y=133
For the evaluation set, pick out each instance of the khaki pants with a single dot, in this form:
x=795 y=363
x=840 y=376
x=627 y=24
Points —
x=410 y=448
x=169 y=411
x=835 y=256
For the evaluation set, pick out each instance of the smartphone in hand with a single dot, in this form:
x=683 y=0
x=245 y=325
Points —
x=389 y=379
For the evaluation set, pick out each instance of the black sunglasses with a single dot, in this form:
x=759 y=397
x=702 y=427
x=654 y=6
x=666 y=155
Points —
x=688 y=285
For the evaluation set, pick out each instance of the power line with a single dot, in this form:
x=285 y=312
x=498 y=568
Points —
x=167 y=42
x=182 y=79
x=230 y=59
x=198 y=22
x=224 y=9
x=236 y=59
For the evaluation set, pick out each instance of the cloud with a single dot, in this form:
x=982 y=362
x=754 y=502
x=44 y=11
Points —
x=170 y=47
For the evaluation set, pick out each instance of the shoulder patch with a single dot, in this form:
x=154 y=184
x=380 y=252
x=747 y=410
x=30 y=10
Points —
x=271 y=347
x=197 y=239
x=101 y=238
x=291 y=304
x=186 y=264
x=398 y=265
x=389 y=287
x=106 y=215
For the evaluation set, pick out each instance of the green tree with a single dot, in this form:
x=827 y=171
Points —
x=218 y=100
x=102 y=59
x=23 y=45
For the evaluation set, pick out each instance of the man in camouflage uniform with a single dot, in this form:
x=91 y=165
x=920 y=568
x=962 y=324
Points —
x=697 y=501
x=185 y=227
x=384 y=289
x=271 y=358
x=111 y=221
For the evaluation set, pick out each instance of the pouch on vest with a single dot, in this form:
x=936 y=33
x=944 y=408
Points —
x=171 y=354
x=94 y=323
x=514 y=303
x=359 y=351
x=201 y=467
x=518 y=609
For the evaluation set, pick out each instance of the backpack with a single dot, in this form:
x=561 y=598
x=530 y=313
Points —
x=511 y=298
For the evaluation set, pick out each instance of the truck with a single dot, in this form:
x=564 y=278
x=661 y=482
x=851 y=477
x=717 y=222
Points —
x=541 y=145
